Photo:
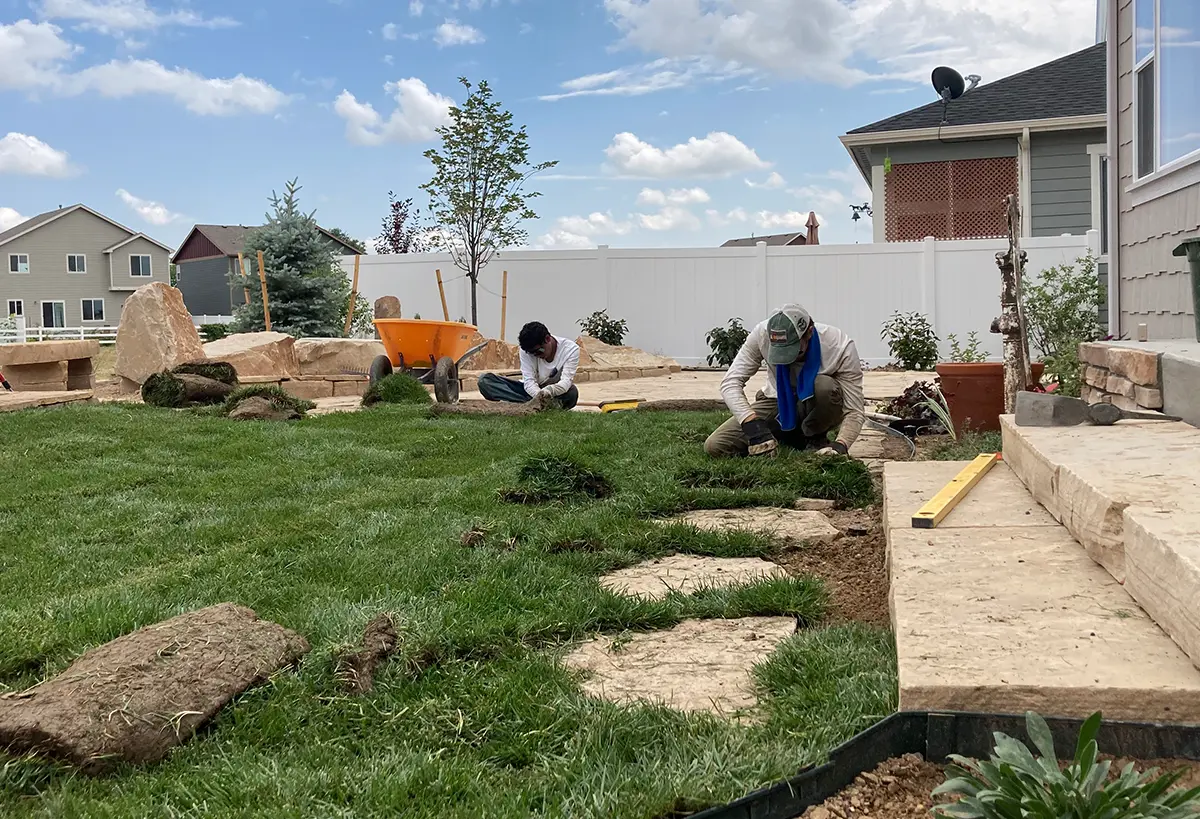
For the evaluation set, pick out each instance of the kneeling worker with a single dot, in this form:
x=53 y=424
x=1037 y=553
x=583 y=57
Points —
x=814 y=385
x=548 y=365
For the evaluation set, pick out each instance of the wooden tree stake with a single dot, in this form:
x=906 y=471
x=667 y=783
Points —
x=442 y=291
x=503 y=303
x=1017 y=371
x=353 y=297
x=262 y=278
x=244 y=273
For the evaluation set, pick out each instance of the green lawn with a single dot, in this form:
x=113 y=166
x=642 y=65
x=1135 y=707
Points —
x=117 y=516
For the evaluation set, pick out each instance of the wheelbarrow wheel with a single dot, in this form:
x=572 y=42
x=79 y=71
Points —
x=381 y=368
x=445 y=381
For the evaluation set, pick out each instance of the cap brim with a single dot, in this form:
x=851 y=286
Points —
x=784 y=354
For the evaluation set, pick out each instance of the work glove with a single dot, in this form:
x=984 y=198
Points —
x=836 y=448
x=762 y=442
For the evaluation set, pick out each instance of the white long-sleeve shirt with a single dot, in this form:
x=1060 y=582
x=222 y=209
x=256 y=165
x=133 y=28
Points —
x=553 y=377
x=839 y=360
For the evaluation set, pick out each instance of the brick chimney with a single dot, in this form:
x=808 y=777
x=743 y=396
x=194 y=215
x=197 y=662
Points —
x=812 y=226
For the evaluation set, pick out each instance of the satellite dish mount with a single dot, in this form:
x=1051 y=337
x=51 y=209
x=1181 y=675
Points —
x=949 y=85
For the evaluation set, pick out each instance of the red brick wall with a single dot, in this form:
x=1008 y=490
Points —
x=957 y=199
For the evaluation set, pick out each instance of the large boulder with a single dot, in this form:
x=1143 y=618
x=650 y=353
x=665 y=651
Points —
x=387 y=307
x=257 y=354
x=337 y=356
x=610 y=357
x=497 y=355
x=156 y=333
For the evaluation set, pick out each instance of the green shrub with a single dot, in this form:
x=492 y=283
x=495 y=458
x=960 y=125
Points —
x=602 y=327
x=970 y=354
x=1016 y=784
x=911 y=340
x=276 y=395
x=1062 y=311
x=212 y=332
x=397 y=388
x=725 y=342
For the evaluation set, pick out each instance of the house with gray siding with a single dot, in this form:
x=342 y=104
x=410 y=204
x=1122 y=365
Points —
x=208 y=256
x=1154 y=132
x=74 y=267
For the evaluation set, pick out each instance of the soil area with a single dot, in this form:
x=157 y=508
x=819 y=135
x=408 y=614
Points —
x=853 y=566
x=901 y=788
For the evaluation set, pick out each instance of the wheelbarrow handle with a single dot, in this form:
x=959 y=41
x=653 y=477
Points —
x=470 y=353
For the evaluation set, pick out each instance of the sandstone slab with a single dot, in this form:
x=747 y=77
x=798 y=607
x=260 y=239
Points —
x=496 y=356
x=1139 y=366
x=792 y=526
x=47 y=352
x=656 y=579
x=46 y=377
x=621 y=358
x=257 y=354
x=699 y=665
x=336 y=356
x=998 y=611
x=308 y=389
x=156 y=333
x=11 y=401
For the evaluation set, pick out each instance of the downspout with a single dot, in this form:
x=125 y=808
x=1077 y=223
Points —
x=1112 y=80
x=1025 y=185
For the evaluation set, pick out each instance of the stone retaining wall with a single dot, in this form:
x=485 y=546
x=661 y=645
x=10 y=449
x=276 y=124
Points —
x=1123 y=376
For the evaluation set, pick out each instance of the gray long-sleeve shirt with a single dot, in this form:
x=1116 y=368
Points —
x=839 y=360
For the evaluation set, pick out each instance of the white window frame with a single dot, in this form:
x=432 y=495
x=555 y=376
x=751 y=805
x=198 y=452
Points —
x=1179 y=173
x=18 y=256
x=1098 y=154
x=80 y=256
x=43 y=315
x=149 y=265
x=17 y=302
x=92 y=320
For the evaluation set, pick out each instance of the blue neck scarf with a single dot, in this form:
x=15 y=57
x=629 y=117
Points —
x=789 y=399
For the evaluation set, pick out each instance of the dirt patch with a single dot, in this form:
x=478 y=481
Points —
x=684 y=405
x=478 y=406
x=699 y=665
x=356 y=671
x=790 y=526
x=853 y=567
x=140 y=695
x=655 y=579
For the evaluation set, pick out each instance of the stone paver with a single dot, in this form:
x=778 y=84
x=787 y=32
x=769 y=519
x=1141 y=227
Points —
x=655 y=579
x=789 y=525
x=999 y=609
x=699 y=665
x=10 y=401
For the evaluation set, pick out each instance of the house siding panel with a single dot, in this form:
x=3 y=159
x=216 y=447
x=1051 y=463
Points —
x=205 y=287
x=1155 y=286
x=912 y=152
x=159 y=265
x=48 y=279
x=1061 y=182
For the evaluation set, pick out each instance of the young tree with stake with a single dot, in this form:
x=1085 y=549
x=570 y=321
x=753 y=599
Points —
x=477 y=192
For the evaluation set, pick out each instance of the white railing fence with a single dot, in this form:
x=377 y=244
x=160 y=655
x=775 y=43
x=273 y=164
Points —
x=16 y=331
x=671 y=298
x=202 y=320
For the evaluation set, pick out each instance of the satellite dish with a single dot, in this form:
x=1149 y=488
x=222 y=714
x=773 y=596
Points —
x=948 y=83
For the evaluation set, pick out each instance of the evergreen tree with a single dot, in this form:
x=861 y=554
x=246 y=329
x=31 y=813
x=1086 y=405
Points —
x=358 y=245
x=307 y=290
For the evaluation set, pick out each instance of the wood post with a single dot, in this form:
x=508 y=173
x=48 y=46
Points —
x=262 y=278
x=353 y=297
x=503 y=304
x=243 y=273
x=442 y=291
x=1018 y=376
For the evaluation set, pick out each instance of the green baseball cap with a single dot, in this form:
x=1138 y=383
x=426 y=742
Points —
x=786 y=329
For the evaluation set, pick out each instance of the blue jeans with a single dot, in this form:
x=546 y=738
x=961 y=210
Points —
x=498 y=388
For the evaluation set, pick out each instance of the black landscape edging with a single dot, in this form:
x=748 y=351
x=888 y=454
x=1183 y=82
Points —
x=937 y=735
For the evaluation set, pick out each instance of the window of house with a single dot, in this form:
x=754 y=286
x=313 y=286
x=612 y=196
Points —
x=93 y=309
x=16 y=307
x=1100 y=209
x=1104 y=206
x=1166 y=83
x=54 y=314
x=18 y=262
x=76 y=263
x=140 y=266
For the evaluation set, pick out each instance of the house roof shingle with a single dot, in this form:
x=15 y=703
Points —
x=774 y=240
x=1071 y=86
x=35 y=222
x=231 y=239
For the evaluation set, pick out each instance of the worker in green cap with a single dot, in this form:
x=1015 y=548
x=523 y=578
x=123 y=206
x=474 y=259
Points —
x=814 y=386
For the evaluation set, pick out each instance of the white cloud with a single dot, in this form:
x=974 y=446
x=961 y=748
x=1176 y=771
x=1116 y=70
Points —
x=829 y=40
x=773 y=181
x=526 y=28
x=34 y=57
x=636 y=80
x=847 y=188
x=389 y=59
x=452 y=33
x=556 y=239
x=24 y=154
x=10 y=218
x=786 y=220
x=418 y=114
x=416 y=8
x=718 y=219
x=670 y=218
x=718 y=154
x=687 y=196
x=390 y=31
x=119 y=16
x=156 y=213
x=581 y=232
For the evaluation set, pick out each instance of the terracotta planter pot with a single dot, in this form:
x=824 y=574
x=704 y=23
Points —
x=975 y=394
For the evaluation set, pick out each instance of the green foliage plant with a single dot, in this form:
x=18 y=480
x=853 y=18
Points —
x=911 y=340
x=602 y=327
x=725 y=342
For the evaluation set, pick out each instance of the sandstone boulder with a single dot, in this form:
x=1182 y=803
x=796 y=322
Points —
x=610 y=357
x=156 y=333
x=497 y=355
x=256 y=354
x=336 y=356
x=387 y=307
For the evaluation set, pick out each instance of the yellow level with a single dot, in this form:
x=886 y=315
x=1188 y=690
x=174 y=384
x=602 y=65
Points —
x=933 y=512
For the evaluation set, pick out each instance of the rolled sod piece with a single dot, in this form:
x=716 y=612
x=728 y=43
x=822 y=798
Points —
x=183 y=389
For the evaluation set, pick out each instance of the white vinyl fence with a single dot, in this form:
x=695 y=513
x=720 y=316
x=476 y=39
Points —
x=15 y=331
x=671 y=298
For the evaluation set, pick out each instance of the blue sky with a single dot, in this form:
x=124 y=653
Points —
x=674 y=122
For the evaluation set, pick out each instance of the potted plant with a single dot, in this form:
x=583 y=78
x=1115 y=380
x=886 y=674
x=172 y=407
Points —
x=974 y=386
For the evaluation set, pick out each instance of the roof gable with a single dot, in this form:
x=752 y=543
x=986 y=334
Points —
x=43 y=219
x=772 y=240
x=230 y=240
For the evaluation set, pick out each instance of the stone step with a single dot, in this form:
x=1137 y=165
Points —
x=1130 y=493
x=999 y=609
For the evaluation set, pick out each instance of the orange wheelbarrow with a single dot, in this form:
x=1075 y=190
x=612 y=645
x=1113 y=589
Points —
x=428 y=350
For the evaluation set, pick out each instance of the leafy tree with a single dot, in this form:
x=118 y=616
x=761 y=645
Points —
x=477 y=193
x=306 y=287
x=398 y=235
x=358 y=245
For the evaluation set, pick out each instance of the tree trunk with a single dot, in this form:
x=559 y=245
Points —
x=1009 y=326
x=474 y=308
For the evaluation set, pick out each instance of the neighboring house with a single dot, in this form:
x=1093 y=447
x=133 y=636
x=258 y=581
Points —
x=74 y=267
x=1154 y=131
x=782 y=239
x=209 y=255
x=1039 y=134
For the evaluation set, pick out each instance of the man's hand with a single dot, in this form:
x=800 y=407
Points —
x=836 y=448
x=542 y=401
x=762 y=442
